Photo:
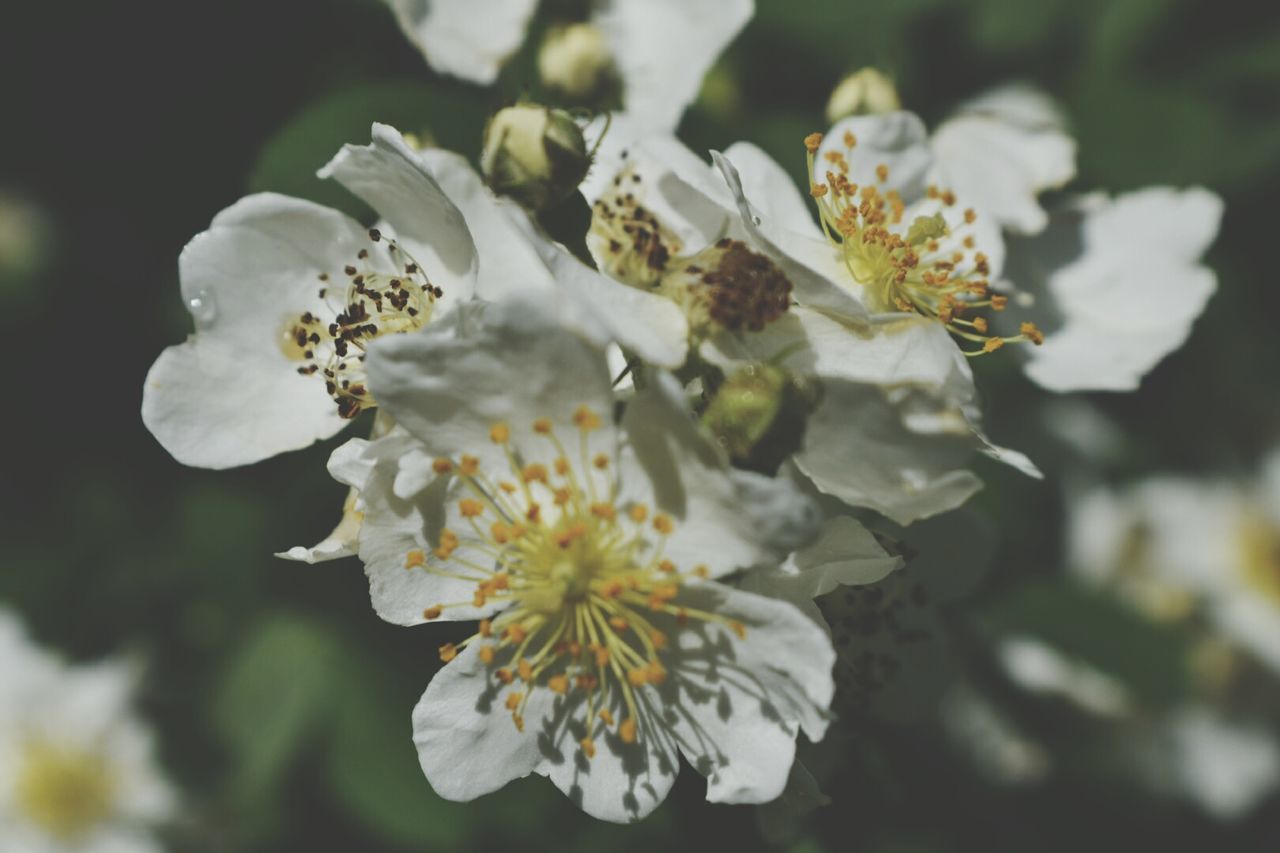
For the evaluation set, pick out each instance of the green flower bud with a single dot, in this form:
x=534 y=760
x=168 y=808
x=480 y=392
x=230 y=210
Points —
x=757 y=415
x=864 y=92
x=534 y=154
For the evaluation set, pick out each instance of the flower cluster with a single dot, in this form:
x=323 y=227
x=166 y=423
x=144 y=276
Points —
x=644 y=480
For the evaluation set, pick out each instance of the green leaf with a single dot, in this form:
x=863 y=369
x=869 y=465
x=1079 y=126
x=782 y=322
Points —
x=276 y=692
x=444 y=113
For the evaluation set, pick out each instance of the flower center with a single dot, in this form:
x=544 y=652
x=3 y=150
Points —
x=728 y=286
x=387 y=293
x=65 y=791
x=904 y=266
x=1259 y=544
x=585 y=585
x=635 y=247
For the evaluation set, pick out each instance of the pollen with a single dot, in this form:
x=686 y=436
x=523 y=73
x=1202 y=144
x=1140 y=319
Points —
x=924 y=264
x=414 y=559
x=813 y=142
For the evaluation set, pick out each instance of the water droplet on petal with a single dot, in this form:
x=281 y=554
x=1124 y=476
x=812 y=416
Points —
x=202 y=308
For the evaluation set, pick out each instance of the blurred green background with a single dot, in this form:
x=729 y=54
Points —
x=282 y=701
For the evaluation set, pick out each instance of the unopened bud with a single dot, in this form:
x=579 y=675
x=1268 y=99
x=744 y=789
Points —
x=864 y=92
x=534 y=154
x=574 y=61
x=758 y=415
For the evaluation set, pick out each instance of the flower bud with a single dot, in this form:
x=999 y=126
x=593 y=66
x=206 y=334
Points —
x=757 y=415
x=534 y=154
x=864 y=92
x=574 y=61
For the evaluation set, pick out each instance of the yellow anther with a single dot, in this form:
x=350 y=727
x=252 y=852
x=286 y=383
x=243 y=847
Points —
x=662 y=523
x=432 y=612
x=519 y=721
x=618 y=623
x=501 y=532
x=525 y=669
x=469 y=465
x=667 y=567
x=992 y=344
x=606 y=717
x=818 y=190
x=533 y=513
x=414 y=559
x=849 y=139
x=562 y=466
x=638 y=513
x=586 y=682
x=657 y=674
x=563 y=496
x=588 y=747
x=501 y=580
x=701 y=570
x=470 y=508
x=486 y=628
x=999 y=302
x=601 y=461
x=516 y=633
x=604 y=511
x=658 y=639
x=739 y=629
x=627 y=731
x=638 y=677
x=882 y=173
x=534 y=472
x=558 y=684
x=970 y=216
x=479 y=599
x=1032 y=333
x=508 y=487
x=601 y=654
x=567 y=537
x=514 y=698
x=586 y=419
x=542 y=426
x=499 y=433
x=442 y=466
x=980 y=325
x=504 y=675
x=486 y=654
x=813 y=142
x=448 y=652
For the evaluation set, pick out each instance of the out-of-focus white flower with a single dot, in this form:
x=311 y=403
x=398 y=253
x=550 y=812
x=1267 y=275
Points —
x=590 y=553
x=286 y=295
x=999 y=151
x=659 y=49
x=1179 y=546
x=77 y=772
x=1117 y=284
x=1225 y=765
x=575 y=61
x=1041 y=669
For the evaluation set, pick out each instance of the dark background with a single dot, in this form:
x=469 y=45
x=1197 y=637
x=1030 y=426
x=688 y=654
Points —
x=282 y=701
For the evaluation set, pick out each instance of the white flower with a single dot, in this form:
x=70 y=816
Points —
x=897 y=418
x=999 y=151
x=77 y=773
x=287 y=294
x=590 y=553
x=660 y=49
x=1118 y=283
x=1178 y=546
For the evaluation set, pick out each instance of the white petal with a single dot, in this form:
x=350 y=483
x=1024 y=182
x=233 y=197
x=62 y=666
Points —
x=229 y=395
x=457 y=39
x=1159 y=222
x=663 y=49
x=899 y=454
x=772 y=190
x=724 y=520
x=896 y=140
x=467 y=743
x=1000 y=151
x=743 y=699
x=388 y=175
x=844 y=553
x=511 y=362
